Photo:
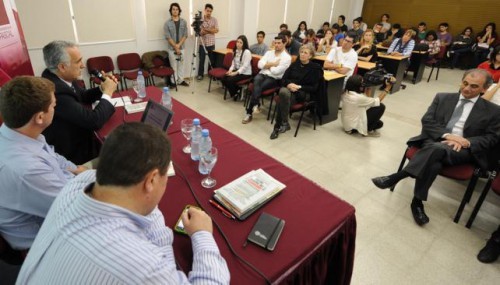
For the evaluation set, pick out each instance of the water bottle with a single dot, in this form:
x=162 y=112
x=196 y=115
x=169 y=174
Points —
x=195 y=140
x=166 y=100
x=141 y=85
x=205 y=146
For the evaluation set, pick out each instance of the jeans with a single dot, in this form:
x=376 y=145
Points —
x=177 y=65
x=260 y=82
x=287 y=99
x=456 y=54
x=202 y=55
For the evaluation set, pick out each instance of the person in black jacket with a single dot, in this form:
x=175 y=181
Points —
x=299 y=82
x=72 y=130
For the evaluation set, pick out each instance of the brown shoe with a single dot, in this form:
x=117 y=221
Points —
x=247 y=119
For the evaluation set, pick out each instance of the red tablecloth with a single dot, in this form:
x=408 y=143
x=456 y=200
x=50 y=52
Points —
x=317 y=243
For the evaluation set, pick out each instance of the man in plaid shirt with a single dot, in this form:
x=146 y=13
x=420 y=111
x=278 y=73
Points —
x=208 y=30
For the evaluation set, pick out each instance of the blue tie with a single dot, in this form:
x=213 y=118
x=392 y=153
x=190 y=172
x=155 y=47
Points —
x=457 y=113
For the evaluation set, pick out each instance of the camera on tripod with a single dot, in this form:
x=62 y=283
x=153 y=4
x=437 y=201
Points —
x=197 y=21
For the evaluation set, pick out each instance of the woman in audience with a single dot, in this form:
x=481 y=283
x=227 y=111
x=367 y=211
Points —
x=384 y=20
x=326 y=43
x=461 y=45
x=493 y=67
x=301 y=32
x=434 y=43
x=311 y=39
x=240 y=68
x=404 y=45
x=486 y=39
x=361 y=113
x=366 y=49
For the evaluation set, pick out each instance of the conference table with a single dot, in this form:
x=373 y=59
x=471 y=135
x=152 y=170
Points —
x=318 y=240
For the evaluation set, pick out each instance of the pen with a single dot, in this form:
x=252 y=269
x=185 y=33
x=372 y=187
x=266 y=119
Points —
x=224 y=211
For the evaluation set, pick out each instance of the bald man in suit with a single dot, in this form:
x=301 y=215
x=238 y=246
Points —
x=457 y=128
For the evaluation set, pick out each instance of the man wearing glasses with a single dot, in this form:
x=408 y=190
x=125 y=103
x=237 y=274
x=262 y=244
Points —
x=342 y=59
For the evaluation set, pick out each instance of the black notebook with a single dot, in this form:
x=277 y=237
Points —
x=266 y=231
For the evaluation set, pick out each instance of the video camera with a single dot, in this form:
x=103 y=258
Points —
x=197 y=21
x=377 y=76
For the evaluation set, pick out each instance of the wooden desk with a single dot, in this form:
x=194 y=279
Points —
x=334 y=88
x=396 y=65
x=417 y=63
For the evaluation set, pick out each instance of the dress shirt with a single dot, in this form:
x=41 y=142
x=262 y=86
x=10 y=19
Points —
x=170 y=32
x=242 y=64
x=85 y=241
x=31 y=175
x=399 y=46
x=347 y=59
x=354 y=106
x=104 y=96
x=275 y=72
x=209 y=39
x=458 y=129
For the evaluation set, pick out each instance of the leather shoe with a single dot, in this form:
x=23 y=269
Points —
x=490 y=252
x=419 y=214
x=383 y=182
x=275 y=134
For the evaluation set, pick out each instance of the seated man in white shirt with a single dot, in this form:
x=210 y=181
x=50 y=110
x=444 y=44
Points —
x=105 y=227
x=342 y=59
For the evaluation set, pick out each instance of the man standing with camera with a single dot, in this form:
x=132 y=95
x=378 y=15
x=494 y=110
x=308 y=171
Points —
x=176 y=33
x=209 y=28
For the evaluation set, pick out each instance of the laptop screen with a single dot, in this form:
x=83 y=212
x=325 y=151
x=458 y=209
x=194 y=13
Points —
x=157 y=115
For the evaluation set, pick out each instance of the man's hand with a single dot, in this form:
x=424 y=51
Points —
x=453 y=144
x=231 y=73
x=464 y=143
x=293 y=87
x=196 y=220
x=109 y=86
x=79 y=169
x=277 y=62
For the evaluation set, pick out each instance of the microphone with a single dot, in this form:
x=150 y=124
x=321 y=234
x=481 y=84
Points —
x=98 y=74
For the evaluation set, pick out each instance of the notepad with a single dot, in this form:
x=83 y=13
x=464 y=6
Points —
x=266 y=231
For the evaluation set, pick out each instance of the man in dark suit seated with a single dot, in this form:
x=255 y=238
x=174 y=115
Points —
x=457 y=128
x=72 y=130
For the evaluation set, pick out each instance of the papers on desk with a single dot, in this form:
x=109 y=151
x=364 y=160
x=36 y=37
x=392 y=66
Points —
x=248 y=193
x=121 y=101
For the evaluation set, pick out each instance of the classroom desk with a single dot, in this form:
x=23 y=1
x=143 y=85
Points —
x=396 y=65
x=318 y=240
x=417 y=63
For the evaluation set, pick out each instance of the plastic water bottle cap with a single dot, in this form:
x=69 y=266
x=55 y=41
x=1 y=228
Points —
x=165 y=89
x=139 y=72
x=196 y=121
x=205 y=133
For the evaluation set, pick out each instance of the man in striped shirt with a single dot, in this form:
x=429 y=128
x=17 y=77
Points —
x=105 y=226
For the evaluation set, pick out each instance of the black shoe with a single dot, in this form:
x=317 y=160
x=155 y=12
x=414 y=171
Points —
x=490 y=252
x=284 y=127
x=419 y=214
x=383 y=182
x=184 y=83
x=275 y=134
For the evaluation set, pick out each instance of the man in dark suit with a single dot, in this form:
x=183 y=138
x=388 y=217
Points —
x=72 y=130
x=457 y=128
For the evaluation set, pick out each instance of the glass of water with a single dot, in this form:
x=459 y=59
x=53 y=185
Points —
x=207 y=161
x=187 y=128
x=135 y=86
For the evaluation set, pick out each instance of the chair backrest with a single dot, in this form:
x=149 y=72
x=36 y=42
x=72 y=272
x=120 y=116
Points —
x=100 y=63
x=355 y=70
x=441 y=54
x=231 y=44
x=129 y=61
x=158 y=61
x=228 y=59
x=255 y=66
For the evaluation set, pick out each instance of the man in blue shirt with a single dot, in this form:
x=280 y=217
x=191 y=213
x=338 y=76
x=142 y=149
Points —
x=105 y=226
x=31 y=173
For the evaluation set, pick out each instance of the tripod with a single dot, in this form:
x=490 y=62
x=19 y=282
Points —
x=197 y=40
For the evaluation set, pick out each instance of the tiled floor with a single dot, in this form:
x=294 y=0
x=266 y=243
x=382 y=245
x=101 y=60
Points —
x=390 y=247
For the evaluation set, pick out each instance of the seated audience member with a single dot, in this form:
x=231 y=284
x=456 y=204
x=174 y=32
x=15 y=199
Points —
x=361 y=113
x=72 y=131
x=384 y=20
x=457 y=128
x=403 y=46
x=422 y=31
x=379 y=35
x=486 y=39
x=366 y=49
x=362 y=25
x=326 y=43
x=311 y=39
x=301 y=33
x=321 y=32
x=395 y=33
x=272 y=67
x=342 y=59
x=337 y=34
x=283 y=27
x=433 y=42
x=342 y=26
x=105 y=226
x=292 y=46
x=241 y=67
x=300 y=80
x=444 y=36
x=490 y=252
x=461 y=45
x=493 y=67
x=31 y=172
x=356 y=29
x=260 y=47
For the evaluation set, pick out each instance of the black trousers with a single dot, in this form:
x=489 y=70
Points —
x=428 y=162
x=373 y=116
x=230 y=82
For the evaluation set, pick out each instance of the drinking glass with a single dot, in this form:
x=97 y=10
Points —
x=187 y=128
x=135 y=86
x=208 y=160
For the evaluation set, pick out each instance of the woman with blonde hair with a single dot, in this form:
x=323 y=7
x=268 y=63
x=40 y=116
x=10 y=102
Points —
x=366 y=49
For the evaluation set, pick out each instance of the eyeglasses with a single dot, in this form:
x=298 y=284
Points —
x=348 y=41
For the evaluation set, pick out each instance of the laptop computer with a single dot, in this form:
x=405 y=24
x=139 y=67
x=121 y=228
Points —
x=158 y=115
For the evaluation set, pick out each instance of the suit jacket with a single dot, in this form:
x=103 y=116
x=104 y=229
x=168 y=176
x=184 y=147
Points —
x=482 y=127
x=72 y=130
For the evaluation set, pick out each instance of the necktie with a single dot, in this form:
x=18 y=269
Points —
x=457 y=113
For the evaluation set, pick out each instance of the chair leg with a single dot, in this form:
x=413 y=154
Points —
x=480 y=201
x=430 y=74
x=300 y=121
x=153 y=79
x=401 y=166
x=437 y=72
x=467 y=196
x=209 y=84
x=313 y=110
x=270 y=106
x=274 y=113
x=125 y=80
